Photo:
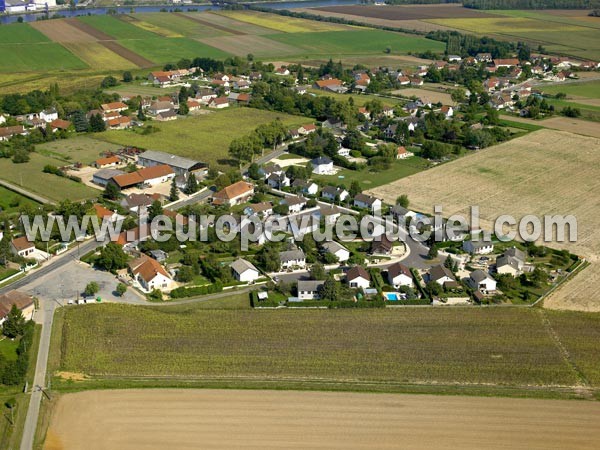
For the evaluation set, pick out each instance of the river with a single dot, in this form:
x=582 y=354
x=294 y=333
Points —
x=156 y=8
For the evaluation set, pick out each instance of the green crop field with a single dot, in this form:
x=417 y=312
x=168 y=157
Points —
x=163 y=50
x=37 y=57
x=179 y=24
x=204 y=137
x=116 y=28
x=357 y=42
x=20 y=33
x=589 y=89
x=506 y=347
x=30 y=177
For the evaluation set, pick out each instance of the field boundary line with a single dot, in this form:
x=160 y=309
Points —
x=26 y=193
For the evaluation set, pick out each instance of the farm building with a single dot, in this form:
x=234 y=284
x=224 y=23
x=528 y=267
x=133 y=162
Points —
x=103 y=176
x=180 y=165
x=23 y=302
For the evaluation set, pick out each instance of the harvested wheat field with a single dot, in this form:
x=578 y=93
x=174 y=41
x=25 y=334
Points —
x=426 y=95
x=226 y=419
x=579 y=126
x=545 y=172
x=257 y=45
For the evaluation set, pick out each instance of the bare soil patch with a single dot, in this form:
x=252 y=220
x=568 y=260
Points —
x=138 y=60
x=257 y=45
x=569 y=124
x=226 y=419
x=545 y=172
x=426 y=95
x=63 y=30
x=88 y=29
x=412 y=12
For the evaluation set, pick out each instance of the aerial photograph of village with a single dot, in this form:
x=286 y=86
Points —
x=299 y=224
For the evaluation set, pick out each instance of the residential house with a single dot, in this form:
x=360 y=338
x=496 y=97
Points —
x=104 y=213
x=507 y=62
x=268 y=169
x=369 y=202
x=159 y=255
x=322 y=165
x=333 y=193
x=401 y=213
x=138 y=203
x=113 y=107
x=482 y=281
x=62 y=125
x=338 y=250
x=309 y=289
x=295 y=203
x=511 y=262
x=330 y=213
x=307 y=129
x=262 y=209
x=166 y=116
x=218 y=103
x=447 y=111
x=305 y=187
x=234 y=194
x=22 y=301
x=403 y=80
x=21 y=246
x=150 y=274
x=205 y=95
x=483 y=57
x=193 y=105
x=357 y=277
x=244 y=271
x=332 y=84
x=119 y=123
x=478 y=247
x=8 y=132
x=441 y=275
x=282 y=71
x=292 y=258
x=160 y=107
x=278 y=181
x=381 y=245
x=402 y=153
x=399 y=275
x=416 y=81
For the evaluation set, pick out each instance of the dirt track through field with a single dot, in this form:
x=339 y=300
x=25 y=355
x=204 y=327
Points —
x=227 y=419
x=206 y=23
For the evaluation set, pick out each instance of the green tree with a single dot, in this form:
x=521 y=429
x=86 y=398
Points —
x=14 y=324
x=433 y=251
x=174 y=192
x=191 y=185
x=111 y=191
x=127 y=77
x=402 y=200
x=121 y=289
x=112 y=257
x=329 y=290
x=354 y=188
x=109 y=81
x=184 y=110
x=97 y=124
x=91 y=289
x=155 y=209
x=20 y=156
x=317 y=272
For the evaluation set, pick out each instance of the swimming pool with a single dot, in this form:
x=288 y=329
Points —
x=392 y=296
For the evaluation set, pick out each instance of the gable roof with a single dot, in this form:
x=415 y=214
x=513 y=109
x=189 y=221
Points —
x=398 y=269
x=113 y=105
x=240 y=266
x=309 y=285
x=169 y=159
x=438 y=272
x=107 y=160
x=333 y=246
x=60 y=124
x=17 y=298
x=22 y=243
x=291 y=255
x=479 y=275
x=328 y=83
x=356 y=272
x=147 y=268
x=107 y=174
x=101 y=211
x=234 y=190
x=366 y=199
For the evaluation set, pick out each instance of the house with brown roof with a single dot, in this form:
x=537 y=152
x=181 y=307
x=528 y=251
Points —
x=399 y=275
x=7 y=132
x=150 y=274
x=218 y=103
x=166 y=116
x=234 y=194
x=402 y=153
x=22 y=301
x=60 y=124
x=357 y=277
x=507 y=62
x=148 y=175
x=114 y=107
x=119 y=123
x=21 y=246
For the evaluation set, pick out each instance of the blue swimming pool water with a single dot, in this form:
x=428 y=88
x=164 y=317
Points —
x=392 y=296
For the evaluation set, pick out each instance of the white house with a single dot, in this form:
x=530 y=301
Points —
x=295 y=203
x=306 y=187
x=399 y=275
x=357 y=277
x=338 y=250
x=333 y=193
x=150 y=274
x=2 y=119
x=441 y=275
x=481 y=281
x=21 y=246
x=479 y=247
x=511 y=262
x=244 y=271
x=369 y=202
x=322 y=166
x=292 y=258
x=309 y=289
x=402 y=153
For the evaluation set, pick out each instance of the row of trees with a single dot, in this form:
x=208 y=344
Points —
x=269 y=135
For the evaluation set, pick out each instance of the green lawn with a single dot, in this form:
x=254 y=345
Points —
x=37 y=57
x=368 y=180
x=30 y=176
x=82 y=149
x=335 y=43
x=117 y=28
x=8 y=348
x=11 y=202
x=161 y=50
x=205 y=138
x=590 y=89
x=20 y=33
x=359 y=99
x=508 y=347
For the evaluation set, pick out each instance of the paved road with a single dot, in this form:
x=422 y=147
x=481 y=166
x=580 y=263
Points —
x=199 y=197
